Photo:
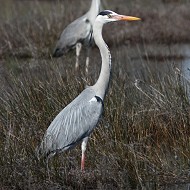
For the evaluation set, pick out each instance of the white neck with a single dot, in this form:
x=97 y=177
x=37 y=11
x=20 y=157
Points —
x=102 y=83
x=94 y=10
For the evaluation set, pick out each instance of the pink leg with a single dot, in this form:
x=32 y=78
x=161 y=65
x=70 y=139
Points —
x=83 y=147
x=82 y=162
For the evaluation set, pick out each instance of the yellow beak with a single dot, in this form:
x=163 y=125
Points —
x=126 y=18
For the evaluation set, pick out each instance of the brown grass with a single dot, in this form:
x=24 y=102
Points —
x=142 y=140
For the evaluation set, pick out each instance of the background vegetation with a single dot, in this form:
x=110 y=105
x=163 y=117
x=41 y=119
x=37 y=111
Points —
x=143 y=139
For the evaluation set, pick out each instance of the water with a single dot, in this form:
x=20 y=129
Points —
x=185 y=49
x=159 y=58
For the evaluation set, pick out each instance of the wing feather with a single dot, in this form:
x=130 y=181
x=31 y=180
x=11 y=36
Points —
x=78 y=31
x=72 y=124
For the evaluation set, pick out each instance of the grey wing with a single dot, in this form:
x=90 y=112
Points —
x=78 y=31
x=72 y=124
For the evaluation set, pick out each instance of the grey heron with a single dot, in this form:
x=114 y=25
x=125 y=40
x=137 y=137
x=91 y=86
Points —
x=77 y=33
x=78 y=119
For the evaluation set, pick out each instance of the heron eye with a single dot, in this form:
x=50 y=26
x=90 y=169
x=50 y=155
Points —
x=109 y=16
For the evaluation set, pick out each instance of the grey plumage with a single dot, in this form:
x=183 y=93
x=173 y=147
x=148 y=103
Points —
x=75 y=122
x=78 y=119
x=79 y=31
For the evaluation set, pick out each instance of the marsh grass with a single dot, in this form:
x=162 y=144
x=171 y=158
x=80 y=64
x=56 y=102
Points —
x=142 y=137
x=142 y=140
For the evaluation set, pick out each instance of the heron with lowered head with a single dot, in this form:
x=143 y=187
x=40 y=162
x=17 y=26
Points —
x=77 y=120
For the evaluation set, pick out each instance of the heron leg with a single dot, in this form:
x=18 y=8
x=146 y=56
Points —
x=78 y=49
x=83 y=147
x=87 y=59
x=87 y=64
x=47 y=167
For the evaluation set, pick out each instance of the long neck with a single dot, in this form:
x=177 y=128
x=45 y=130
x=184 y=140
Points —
x=94 y=10
x=103 y=81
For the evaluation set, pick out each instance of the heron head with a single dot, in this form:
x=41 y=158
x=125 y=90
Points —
x=110 y=16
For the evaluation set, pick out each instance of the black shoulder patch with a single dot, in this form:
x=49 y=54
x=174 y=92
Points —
x=106 y=12
x=87 y=20
x=99 y=100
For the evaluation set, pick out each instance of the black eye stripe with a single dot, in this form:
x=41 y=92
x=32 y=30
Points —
x=105 y=13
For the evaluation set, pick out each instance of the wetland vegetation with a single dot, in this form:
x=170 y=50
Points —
x=143 y=138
